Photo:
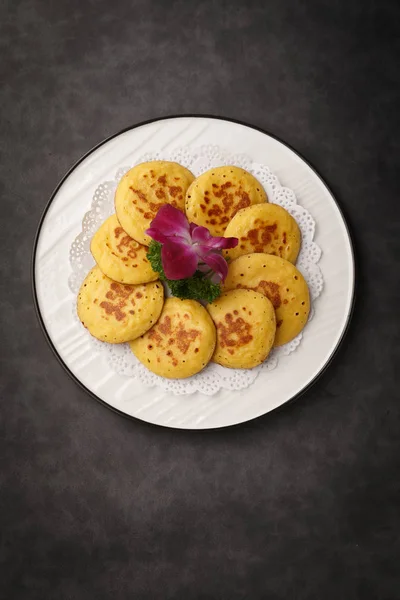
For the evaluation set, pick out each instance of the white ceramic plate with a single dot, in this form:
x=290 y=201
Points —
x=62 y=221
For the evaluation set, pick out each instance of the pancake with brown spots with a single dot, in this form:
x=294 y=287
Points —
x=115 y=312
x=217 y=195
x=181 y=343
x=265 y=228
x=245 y=323
x=144 y=189
x=279 y=281
x=119 y=256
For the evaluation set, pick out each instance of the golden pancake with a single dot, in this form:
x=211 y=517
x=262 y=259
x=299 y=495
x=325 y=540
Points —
x=245 y=323
x=114 y=312
x=119 y=256
x=181 y=343
x=144 y=189
x=281 y=282
x=217 y=195
x=265 y=228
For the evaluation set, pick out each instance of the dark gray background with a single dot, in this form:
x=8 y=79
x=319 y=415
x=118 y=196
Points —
x=300 y=504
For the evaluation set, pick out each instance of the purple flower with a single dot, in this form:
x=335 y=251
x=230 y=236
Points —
x=187 y=247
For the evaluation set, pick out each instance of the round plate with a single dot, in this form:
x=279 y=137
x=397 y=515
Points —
x=62 y=221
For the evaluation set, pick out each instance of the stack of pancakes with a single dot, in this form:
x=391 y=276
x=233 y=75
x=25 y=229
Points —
x=265 y=300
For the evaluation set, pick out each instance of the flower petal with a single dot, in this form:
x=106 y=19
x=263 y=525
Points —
x=217 y=263
x=228 y=242
x=203 y=237
x=157 y=235
x=170 y=222
x=200 y=235
x=179 y=259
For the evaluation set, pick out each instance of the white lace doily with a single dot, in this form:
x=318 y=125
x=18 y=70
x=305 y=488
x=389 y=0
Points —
x=214 y=377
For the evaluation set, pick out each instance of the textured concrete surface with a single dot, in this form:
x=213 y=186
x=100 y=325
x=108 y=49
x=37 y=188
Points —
x=301 y=504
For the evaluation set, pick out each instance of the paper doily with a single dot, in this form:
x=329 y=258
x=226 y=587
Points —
x=214 y=377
